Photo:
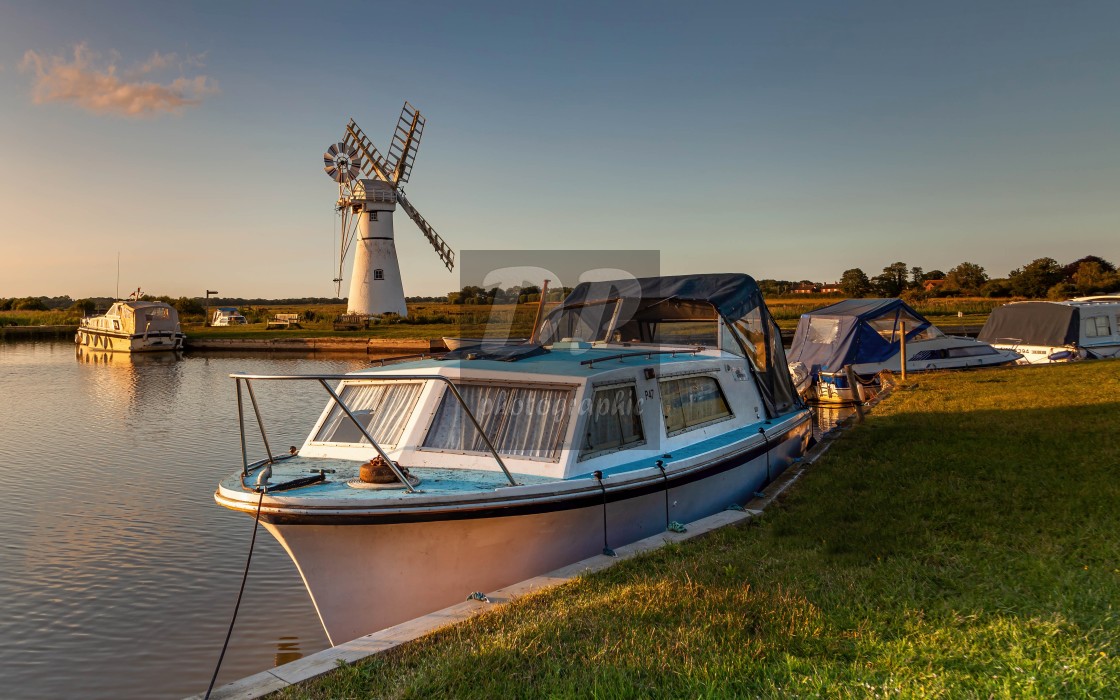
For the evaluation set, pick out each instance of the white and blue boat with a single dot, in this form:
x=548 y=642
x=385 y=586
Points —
x=642 y=403
x=839 y=351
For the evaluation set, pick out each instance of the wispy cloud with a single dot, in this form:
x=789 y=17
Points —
x=100 y=86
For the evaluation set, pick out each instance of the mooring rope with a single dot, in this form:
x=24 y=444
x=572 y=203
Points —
x=606 y=548
x=766 y=442
x=237 y=606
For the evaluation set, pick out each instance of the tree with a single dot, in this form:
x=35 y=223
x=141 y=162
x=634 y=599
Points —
x=1070 y=270
x=966 y=278
x=916 y=277
x=1092 y=277
x=893 y=280
x=996 y=288
x=1036 y=278
x=86 y=306
x=854 y=282
x=933 y=275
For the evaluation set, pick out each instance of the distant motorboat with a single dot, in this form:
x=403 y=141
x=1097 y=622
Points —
x=1057 y=331
x=132 y=326
x=227 y=316
x=864 y=335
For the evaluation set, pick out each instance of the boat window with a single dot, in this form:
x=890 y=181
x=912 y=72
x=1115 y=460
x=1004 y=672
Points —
x=692 y=402
x=382 y=408
x=614 y=421
x=824 y=331
x=1096 y=327
x=589 y=323
x=752 y=335
x=520 y=421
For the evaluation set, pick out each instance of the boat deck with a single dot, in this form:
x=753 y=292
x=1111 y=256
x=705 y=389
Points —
x=432 y=481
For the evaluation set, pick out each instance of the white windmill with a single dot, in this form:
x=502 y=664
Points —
x=366 y=206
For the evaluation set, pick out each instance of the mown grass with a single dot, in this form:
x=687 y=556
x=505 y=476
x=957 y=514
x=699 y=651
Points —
x=962 y=542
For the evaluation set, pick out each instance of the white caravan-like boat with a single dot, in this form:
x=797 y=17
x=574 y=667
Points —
x=646 y=403
x=132 y=326
x=1057 y=331
x=865 y=335
x=227 y=316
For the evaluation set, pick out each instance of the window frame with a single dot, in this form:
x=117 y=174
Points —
x=689 y=428
x=631 y=384
x=553 y=386
x=311 y=441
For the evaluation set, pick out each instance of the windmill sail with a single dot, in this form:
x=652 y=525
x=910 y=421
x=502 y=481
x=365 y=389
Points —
x=442 y=249
x=373 y=163
x=406 y=141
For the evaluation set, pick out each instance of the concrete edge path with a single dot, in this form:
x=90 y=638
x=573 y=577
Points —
x=320 y=663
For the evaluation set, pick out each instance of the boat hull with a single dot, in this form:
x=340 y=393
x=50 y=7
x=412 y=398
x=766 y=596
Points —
x=109 y=341
x=366 y=575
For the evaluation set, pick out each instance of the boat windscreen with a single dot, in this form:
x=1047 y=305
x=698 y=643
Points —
x=382 y=408
x=589 y=322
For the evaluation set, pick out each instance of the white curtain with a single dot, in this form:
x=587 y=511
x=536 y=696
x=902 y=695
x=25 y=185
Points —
x=520 y=422
x=383 y=409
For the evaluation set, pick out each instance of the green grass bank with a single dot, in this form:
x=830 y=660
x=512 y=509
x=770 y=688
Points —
x=963 y=542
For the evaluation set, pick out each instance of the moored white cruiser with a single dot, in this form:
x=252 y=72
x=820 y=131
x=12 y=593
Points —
x=132 y=326
x=1057 y=331
x=646 y=403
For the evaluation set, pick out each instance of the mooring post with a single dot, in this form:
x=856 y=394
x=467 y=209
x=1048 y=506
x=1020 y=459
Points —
x=902 y=349
x=853 y=386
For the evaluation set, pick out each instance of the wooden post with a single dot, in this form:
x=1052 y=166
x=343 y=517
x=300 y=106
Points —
x=902 y=349
x=535 y=335
x=853 y=386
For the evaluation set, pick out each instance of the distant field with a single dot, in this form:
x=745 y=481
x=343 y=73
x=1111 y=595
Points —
x=429 y=320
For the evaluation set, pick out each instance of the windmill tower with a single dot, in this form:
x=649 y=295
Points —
x=366 y=206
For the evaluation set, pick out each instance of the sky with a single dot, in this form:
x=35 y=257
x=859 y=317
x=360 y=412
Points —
x=784 y=140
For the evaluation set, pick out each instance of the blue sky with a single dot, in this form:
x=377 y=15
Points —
x=789 y=141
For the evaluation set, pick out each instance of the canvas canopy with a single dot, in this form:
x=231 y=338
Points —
x=145 y=316
x=682 y=310
x=1032 y=323
x=855 y=331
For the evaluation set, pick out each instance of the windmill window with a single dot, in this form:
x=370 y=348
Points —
x=379 y=274
x=373 y=215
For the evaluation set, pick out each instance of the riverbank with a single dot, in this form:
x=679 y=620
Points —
x=961 y=542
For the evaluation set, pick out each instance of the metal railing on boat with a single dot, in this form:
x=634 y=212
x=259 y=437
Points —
x=323 y=379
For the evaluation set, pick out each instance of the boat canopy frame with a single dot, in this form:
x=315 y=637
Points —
x=731 y=302
x=238 y=377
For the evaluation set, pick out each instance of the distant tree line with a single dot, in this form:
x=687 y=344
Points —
x=517 y=294
x=1042 y=278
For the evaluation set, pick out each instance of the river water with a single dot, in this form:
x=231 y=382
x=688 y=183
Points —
x=118 y=572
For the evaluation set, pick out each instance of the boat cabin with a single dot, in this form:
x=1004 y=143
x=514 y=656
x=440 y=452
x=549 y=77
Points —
x=622 y=372
x=227 y=316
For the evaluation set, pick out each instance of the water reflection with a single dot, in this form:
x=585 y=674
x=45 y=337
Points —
x=828 y=417
x=287 y=650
